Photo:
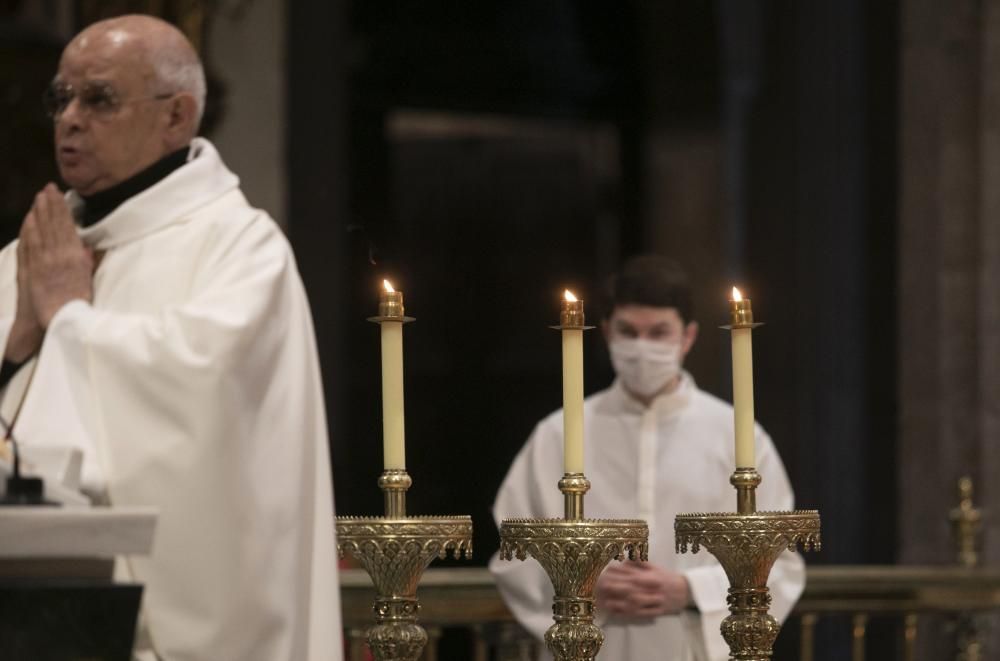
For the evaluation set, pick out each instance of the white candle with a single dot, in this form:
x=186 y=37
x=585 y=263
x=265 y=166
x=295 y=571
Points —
x=393 y=434
x=572 y=361
x=743 y=380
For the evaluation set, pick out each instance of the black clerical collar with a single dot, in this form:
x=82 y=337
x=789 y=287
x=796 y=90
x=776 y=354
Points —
x=99 y=205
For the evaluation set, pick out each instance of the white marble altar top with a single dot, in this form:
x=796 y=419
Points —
x=77 y=532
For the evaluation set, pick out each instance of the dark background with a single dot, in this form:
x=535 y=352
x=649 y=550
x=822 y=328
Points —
x=482 y=226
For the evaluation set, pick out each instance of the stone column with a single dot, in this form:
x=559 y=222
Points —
x=949 y=261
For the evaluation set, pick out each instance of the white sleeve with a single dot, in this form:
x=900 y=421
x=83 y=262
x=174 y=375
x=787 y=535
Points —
x=709 y=587
x=526 y=492
x=788 y=576
x=8 y=293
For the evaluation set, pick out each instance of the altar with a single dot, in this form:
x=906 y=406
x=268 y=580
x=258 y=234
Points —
x=59 y=595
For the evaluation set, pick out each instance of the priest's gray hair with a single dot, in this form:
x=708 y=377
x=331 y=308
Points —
x=180 y=70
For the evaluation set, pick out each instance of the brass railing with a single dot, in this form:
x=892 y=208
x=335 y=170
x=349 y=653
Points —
x=468 y=598
x=909 y=592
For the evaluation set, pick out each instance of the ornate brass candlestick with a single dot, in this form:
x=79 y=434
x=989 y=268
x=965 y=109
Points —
x=574 y=551
x=396 y=549
x=747 y=543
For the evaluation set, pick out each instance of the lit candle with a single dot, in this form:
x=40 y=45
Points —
x=742 y=325
x=571 y=324
x=390 y=320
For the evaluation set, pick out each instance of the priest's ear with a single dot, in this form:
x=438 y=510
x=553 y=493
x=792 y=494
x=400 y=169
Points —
x=182 y=119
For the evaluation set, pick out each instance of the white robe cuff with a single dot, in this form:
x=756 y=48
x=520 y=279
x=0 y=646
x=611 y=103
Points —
x=64 y=355
x=709 y=587
x=75 y=313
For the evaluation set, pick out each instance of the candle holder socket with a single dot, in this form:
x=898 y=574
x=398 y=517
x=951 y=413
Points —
x=390 y=308
x=741 y=315
x=572 y=317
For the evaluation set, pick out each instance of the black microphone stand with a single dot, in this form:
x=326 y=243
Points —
x=22 y=490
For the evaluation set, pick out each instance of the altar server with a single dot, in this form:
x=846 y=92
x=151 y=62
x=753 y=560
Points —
x=655 y=446
x=157 y=321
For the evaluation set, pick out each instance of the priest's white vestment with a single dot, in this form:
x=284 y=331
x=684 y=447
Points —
x=652 y=463
x=191 y=383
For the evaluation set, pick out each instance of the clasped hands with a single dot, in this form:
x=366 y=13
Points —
x=641 y=589
x=54 y=267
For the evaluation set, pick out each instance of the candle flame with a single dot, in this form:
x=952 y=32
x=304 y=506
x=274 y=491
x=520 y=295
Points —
x=569 y=296
x=737 y=296
x=388 y=286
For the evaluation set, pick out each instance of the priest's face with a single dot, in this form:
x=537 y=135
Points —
x=109 y=117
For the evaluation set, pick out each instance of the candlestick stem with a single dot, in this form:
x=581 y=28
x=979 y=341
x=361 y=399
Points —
x=746 y=481
x=574 y=486
x=394 y=483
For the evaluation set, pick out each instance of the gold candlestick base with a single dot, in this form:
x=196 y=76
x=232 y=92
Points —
x=747 y=544
x=574 y=551
x=395 y=550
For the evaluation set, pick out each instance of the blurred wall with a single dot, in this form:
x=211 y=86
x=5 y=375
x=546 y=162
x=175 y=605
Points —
x=246 y=50
x=949 y=308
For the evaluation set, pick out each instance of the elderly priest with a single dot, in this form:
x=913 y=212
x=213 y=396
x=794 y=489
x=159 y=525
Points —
x=152 y=318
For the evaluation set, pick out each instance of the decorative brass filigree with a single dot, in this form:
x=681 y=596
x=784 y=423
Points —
x=395 y=552
x=967 y=525
x=573 y=553
x=747 y=545
x=397 y=641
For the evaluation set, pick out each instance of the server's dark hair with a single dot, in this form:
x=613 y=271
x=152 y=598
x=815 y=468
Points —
x=651 y=280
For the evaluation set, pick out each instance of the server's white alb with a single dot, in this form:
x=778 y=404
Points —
x=649 y=463
x=191 y=383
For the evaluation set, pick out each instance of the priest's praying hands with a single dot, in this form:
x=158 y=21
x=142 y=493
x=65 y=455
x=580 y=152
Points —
x=641 y=589
x=26 y=333
x=53 y=268
x=58 y=266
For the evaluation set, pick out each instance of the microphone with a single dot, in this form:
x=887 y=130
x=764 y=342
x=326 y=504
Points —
x=21 y=490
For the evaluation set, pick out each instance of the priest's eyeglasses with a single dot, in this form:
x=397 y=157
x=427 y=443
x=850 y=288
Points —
x=99 y=99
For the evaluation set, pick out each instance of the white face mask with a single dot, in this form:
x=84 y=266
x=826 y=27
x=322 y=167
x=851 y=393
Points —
x=645 y=366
